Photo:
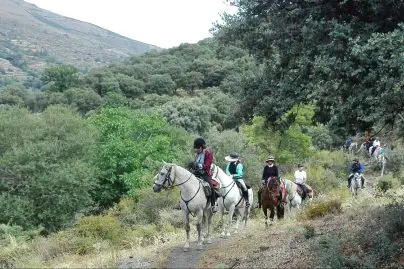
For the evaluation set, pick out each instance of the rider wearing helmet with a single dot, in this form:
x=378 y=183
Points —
x=270 y=170
x=356 y=167
x=234 y=169
x=203 y=161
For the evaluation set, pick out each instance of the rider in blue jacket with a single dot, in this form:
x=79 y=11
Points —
x=356 y=167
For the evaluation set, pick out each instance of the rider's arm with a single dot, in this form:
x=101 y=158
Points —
x=360 y=168
x=207 y=162
x=276 y=171
x=264 y=174
x=239 y=171
x=227 y=169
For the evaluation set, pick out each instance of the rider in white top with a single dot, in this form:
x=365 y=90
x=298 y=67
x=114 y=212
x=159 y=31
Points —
x=300 y=175
x=300 y=178
x=376 y=143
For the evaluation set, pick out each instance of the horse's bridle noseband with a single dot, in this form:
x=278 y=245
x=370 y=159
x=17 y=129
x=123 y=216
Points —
x=167 y=178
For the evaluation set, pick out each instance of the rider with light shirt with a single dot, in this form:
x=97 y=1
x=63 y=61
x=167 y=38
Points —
x=300 y=178
x=234 y=169
x=376 y=143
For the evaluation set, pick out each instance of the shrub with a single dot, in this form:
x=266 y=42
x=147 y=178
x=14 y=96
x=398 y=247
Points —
x=103 y=227
x=387 y=182
x=309 y=231
x=320 y=209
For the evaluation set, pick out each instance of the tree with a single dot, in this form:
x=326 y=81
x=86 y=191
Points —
x=46 y=167
x=308 y=48
x=60 y=78
x=84 y=100
x=160 y=84
x=102 y=81
x=132 y=145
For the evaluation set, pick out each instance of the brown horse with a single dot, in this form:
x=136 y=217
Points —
x=273 y=196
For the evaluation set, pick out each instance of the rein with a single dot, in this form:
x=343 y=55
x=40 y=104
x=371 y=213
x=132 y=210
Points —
x=231 y=184
x=171 y=185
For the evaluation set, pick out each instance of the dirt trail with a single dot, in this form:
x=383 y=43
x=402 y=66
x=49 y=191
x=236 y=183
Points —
x=189 y=259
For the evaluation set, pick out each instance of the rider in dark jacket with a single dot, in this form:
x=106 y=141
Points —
x=356 y=167
x=270 y=170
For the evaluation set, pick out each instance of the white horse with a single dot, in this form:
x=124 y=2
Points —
x=231 y=199
x=378 y=155
x=353 y=146
x=293 y=195
x=193 y=198
x=355 y=184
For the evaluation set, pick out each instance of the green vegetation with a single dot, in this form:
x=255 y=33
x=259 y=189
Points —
x=290 y=79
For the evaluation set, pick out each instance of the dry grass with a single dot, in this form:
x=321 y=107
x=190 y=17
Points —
x=335 y=239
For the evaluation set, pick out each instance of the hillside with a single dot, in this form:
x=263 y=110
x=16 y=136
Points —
x=31 y=37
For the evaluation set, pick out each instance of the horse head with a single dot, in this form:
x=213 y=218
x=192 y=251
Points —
x=273 y=188
x=164 y=179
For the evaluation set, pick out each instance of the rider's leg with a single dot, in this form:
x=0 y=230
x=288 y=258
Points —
x=245 y=192
x=213 y=193
x=304 y=190
x=349 y=180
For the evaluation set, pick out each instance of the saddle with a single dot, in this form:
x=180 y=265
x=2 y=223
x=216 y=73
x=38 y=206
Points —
x=240 y=187
x=303 y=193
x=208 y=190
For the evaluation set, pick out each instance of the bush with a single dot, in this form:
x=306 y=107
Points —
x=309 y=231
x=321 y=208
x=387 y=182
x=103 y=227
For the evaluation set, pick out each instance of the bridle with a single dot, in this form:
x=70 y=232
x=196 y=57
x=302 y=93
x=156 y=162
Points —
x=170 y=184
x=232 y=184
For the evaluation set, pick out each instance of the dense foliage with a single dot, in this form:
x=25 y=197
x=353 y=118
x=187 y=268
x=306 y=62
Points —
x=343 y=56
x=287 y=78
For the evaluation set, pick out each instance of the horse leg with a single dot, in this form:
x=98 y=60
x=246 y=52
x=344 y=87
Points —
x=223 y=234
x=272 y=215
x=280 y=212
x=187 y=229
x=199 y=229
x=230 y=219
x=239 y=213
x=208 y=217
x=264 y=209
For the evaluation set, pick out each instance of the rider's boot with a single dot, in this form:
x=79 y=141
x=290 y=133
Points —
x=247 y=201
x=213 y=201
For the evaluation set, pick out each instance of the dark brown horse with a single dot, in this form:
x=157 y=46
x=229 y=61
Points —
x=273 y=197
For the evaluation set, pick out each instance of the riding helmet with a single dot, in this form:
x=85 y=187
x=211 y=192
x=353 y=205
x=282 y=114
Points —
x=270 y=158
x=199 y=142
x=300 y=165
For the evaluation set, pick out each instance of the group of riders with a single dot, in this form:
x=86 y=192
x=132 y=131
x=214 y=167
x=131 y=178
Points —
x=201 y=167
x=371 y=144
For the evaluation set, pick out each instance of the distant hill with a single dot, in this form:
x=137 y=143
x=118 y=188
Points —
x=31 y=38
